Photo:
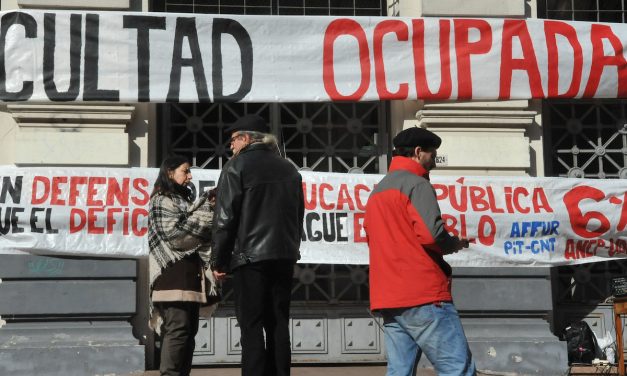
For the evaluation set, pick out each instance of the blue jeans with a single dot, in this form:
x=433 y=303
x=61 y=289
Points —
x=434 y=329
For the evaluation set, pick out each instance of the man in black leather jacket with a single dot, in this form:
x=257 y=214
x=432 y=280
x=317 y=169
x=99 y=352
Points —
x=256 y=236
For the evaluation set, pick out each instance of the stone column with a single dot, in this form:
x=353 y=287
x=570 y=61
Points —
x=112 y=337
x=480 y=137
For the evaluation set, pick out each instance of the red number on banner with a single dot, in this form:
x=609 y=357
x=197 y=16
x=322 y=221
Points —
x=622 y=223
x=580 y=221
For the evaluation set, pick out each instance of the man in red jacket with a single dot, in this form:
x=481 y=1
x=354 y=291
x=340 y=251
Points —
x=410 y=283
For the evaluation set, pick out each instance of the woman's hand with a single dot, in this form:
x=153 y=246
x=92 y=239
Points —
x=218 y=275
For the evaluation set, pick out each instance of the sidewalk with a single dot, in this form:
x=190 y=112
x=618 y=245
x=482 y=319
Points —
x=317 y=370
x=366 y=370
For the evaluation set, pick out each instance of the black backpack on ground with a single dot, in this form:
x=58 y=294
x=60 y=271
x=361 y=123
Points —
x=580 y=343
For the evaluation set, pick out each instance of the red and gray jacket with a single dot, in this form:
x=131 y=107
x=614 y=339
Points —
x=406 y=237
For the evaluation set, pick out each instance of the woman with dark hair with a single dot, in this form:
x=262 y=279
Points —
x=178 y=238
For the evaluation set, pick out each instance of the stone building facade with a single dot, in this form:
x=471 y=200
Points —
x=331 y=323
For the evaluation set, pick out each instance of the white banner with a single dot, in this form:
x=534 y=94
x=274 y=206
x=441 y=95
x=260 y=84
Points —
x=512 y=221
x=158 y=57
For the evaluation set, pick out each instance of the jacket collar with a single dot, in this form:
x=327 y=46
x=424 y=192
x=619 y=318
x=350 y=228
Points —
x=408 y=164
x=254 y=146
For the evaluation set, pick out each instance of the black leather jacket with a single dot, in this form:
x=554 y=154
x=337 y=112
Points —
x=259 y=209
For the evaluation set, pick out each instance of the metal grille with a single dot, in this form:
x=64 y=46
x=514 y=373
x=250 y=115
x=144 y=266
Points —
x=587 y=284
x=331 y=284
x=274 y=7
x=584 y=10
x=584 y=139
x=322 y=284
x=587 y=139
x=197 y=130
x=326 y=137
x=334 y=137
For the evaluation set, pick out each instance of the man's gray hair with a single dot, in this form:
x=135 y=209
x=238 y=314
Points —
x=266 y=138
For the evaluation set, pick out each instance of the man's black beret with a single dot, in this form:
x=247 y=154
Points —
x=412 y=137
x=253 y=123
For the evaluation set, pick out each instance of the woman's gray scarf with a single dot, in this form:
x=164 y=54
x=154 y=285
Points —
x=176 y=229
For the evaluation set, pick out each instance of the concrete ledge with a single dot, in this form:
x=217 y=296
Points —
x=71 y=134
x=70 y=348
x=483 y=8
x=71 y=115
x=68 y=297
x=72 y=360
x=513 y=346
x=495 y=294
x=537 y=356
x=74 y=4
x=72 y=148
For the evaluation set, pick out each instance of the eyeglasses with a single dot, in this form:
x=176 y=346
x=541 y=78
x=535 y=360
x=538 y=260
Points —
x=235 y=137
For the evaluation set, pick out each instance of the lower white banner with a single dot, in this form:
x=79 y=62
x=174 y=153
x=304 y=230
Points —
x=512 y=221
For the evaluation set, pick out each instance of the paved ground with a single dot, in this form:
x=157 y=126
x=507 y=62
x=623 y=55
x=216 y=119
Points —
x=368 y=370
x=300 y=371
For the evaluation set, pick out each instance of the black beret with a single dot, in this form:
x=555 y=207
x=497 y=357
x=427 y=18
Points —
x=253 y=123
x=412 y=137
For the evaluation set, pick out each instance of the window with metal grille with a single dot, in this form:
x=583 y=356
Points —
x=326 y=137
x=331 y=137
x=274 y=7
x=584 y=139
x=584 y=10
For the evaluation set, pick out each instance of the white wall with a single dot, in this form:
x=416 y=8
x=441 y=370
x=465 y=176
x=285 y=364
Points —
x=8 y=130
x=8 y=4
x=72 y=134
